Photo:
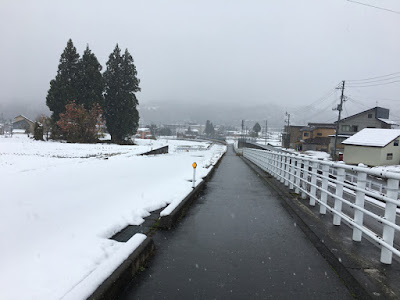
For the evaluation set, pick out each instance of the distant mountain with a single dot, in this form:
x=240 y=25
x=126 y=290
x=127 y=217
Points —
x=14 y=107
x=228 y=114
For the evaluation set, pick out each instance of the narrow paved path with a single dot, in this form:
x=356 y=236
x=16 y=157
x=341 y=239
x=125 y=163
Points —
x=236 y=242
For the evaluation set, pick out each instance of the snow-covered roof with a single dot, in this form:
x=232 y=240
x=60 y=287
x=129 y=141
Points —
x=387 y=121
x=24 y=118
x=374 y=137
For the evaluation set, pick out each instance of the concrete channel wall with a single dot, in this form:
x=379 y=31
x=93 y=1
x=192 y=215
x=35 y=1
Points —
x=162 y=150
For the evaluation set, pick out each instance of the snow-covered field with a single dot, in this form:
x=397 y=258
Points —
x=60 y=204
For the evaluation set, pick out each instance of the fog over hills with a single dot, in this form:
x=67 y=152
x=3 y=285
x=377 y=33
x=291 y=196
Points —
x=167 y=113
x=172 y=112
x=10 y=108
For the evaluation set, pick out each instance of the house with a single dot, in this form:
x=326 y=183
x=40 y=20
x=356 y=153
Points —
x=144 y=133
x=315 y=136
x=377 y=117
x=291 y=136
x=23 y=123
x=373 y=147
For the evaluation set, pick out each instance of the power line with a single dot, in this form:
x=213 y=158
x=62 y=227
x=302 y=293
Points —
x=356 y=101
x=387 y=75
x=375 y=80
x=319 y=100
x=384 y=83
x=377 y=7
x=322 y=109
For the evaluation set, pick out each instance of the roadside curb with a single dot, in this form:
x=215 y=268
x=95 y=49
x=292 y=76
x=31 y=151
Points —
x=169 y=221
x=111 y=288
x=329 y=241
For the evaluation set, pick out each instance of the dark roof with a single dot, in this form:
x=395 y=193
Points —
x=322 y=125
x=313 y=126
x=318 y=141
x=307 y=128
x=295 y=126
x=376 y=108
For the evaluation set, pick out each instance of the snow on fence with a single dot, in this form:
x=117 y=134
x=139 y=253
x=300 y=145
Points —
x=312 y=178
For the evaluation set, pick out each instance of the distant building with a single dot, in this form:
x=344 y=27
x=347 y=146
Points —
x=377 y=117
x=23 y=123
x=291 y=136
x=373 y=147
x=144 y=133
x=315 y=136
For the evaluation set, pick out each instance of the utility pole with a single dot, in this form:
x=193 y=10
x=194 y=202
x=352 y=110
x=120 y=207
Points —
x=339 y=108
x=266 y=131
x=242 y=130
x=288 y=131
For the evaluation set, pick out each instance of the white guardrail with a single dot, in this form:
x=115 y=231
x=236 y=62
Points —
x=310 y=177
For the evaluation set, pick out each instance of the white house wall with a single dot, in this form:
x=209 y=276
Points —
x=370 y=156
x=390 y=148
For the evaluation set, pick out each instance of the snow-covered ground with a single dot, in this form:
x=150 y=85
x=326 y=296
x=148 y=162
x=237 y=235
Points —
x=317 y=154
x=60 y=204
x=394 y=168
x=274 y=139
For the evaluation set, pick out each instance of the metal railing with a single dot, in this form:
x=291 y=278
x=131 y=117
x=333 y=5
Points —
x=313 y=178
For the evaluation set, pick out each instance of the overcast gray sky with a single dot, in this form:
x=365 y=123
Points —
x=286 y=52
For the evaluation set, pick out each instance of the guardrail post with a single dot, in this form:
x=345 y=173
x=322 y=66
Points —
x=287 y=170
x=313 y=189
x=272 y=157
x=324 y=188
x=277 y=166
x=340 y=177
x=360 y=197
x=304 y=178
x=282 y=168
x=297 y=174
x=263 y=162
x=390 y=215
x=291 y=172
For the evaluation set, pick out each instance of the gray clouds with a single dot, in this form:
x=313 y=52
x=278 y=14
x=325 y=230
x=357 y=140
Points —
x=285 y=52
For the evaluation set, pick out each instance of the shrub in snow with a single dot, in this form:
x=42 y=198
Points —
x=38 y=132
x=79 y=125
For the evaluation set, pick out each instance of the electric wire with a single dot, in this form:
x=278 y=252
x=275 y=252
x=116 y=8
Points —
x=393 y=77
x=319 y=100
x=377 y=7
x=361 y=86
x=376 y=77
x=323 y=109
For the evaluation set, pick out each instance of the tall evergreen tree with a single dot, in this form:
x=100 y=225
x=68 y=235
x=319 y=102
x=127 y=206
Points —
x=121 y=83
x=257 y=128
x=63 y=87
x=209 y=130
x=90 y=84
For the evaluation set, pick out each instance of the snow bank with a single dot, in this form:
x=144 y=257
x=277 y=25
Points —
x=317 y=154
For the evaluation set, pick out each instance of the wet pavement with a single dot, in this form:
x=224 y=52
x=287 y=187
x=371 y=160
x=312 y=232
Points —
x=236 y=242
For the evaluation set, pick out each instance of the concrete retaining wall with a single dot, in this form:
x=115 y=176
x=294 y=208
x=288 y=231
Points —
x=162 y=150
x=118 y=281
